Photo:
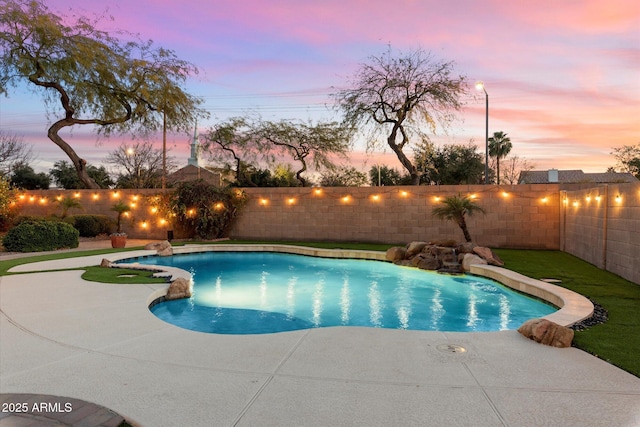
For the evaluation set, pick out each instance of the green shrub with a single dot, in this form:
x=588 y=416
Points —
x=37 y=236
x=8 y=197
x=31 y=218
x=199 y=209
x=67 y=236
x=90 y=225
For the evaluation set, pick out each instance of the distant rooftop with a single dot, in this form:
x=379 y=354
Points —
x=193 y=173
x=573 y=177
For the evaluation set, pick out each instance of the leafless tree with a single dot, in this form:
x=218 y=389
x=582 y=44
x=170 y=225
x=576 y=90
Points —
x=13 y=151
x=512 y=168
x=398 y=95
x=140 y=165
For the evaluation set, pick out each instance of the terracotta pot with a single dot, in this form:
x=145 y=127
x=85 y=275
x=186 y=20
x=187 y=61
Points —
x=118 y=241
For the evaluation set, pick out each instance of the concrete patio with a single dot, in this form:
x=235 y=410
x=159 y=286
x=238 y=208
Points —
x=99 y=343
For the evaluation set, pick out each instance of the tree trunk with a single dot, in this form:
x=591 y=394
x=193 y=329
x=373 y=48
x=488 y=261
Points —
x=465 y=231
x=413 y=171
x=299 y=173
x=80 y=164
x=498 y=169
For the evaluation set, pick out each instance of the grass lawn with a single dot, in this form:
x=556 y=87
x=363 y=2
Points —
x=617 y=341
x=120 y=275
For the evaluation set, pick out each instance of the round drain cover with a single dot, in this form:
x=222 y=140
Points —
x=451 y=348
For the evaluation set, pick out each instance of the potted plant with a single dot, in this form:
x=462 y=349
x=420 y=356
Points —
x=119 y=239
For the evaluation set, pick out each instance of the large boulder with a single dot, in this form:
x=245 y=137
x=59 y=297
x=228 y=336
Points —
x=547 y=332
x=162 y=248
x=418 y=258
x=179 y=288
x=450 y=243
x=466 y=247
x=487 y=254
x=426 y=262
x=446 y=254
x=157 y=246
x=414 y=248
x=471 y=259
x=431 y=250
x=165 y=252
x=396 y=253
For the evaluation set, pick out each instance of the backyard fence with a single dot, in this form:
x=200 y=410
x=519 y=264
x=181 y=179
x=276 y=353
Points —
x=600 y=224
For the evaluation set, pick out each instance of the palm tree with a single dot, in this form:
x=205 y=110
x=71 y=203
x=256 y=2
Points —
x=67 y=203
x=120 y=208
x=499 y=147
x=455 y=208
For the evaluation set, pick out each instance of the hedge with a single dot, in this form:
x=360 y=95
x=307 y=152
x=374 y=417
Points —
x=90 y=225
x=37 y=236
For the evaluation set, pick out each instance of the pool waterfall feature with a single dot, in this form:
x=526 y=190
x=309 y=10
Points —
x=573 y=306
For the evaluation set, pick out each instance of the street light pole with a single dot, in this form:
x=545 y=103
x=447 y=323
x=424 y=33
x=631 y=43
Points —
x=164 y=150
x=480 y=87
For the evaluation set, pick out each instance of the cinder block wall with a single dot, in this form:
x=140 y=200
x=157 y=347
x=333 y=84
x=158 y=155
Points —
x=604 y=232
x=139 y=223
x=523 y=216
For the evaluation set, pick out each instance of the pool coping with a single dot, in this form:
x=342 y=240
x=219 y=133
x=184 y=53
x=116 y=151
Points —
x=573 y=307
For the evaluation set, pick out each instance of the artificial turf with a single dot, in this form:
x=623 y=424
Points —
x=618 y=339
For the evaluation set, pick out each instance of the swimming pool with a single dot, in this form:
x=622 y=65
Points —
x=265 y=292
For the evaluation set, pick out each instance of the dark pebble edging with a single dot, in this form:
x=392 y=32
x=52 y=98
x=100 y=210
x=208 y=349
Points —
x=600 y=316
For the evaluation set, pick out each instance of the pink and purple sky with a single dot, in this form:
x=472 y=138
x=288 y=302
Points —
x=563 y=77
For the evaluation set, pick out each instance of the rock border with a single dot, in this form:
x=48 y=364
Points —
x=443 y=256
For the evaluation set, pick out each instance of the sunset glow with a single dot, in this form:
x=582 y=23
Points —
x=562 y=77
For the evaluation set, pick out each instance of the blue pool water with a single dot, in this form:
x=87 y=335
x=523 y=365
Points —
x=263 y=292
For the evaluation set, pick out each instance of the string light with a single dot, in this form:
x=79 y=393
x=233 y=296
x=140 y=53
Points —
x=575 y=199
